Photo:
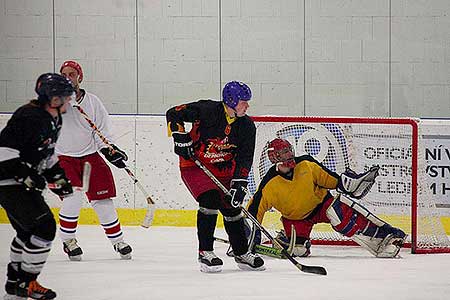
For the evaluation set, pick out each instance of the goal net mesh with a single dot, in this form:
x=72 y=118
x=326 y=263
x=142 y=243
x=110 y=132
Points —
x=358 y=143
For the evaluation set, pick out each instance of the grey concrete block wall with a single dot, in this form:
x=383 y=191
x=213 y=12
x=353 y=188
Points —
x=300 y=57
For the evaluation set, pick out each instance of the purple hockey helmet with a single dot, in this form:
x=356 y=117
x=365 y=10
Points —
x=234 y=91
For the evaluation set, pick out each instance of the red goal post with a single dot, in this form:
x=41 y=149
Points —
x=401 y=195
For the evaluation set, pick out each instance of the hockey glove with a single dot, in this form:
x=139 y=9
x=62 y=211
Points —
x=30 y=178
x=62 y=187
x=357 y=185
x=57 y=177
x=237 y=192
x=183 y=144
x=115 y=156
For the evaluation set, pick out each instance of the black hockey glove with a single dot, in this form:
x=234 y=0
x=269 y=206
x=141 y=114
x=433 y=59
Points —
x=115 y=156
x=237 y=192
x=183 y=144
x=30 y=178
x=60 y=185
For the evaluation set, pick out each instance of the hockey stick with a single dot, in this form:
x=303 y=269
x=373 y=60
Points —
x=307 y=269
x=266 y=250
x=149 y=214
x=260 y=249
x=85 y=180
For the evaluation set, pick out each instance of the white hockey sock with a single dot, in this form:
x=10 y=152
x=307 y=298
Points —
x=108 y=218
x=68 y=215
x=16 y=251
x=35 y=254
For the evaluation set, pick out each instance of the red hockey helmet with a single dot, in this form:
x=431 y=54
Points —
x=280 y=151
x=75 y=65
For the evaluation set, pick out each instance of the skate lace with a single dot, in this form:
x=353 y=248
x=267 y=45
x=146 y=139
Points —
x=209 y=255
x=120 y=245
x=249 y=257
x=71 y=244
x=36 y=287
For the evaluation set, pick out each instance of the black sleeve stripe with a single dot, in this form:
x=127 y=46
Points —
x=312 y=159
x=253 y=208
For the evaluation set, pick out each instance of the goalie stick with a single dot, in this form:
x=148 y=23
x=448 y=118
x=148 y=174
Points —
x=304 y=268
x=86 y=177
x=150 y=213
x=260 y=249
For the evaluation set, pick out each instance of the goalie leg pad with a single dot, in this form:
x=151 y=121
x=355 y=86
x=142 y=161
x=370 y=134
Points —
x=345 y=219
x=296 y=245
x=299 y=231
x=353 y=220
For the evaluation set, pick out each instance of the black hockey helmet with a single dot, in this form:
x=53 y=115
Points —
x=49 y=85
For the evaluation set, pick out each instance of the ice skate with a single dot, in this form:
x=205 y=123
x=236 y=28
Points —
x=13 y=297
x=209 y=262
x=72 y=249
x=250 y=261
x=10 y=285
x=123 y=249
x=33 y=290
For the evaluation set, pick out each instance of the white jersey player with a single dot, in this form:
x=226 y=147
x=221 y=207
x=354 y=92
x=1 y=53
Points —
x=77 y=145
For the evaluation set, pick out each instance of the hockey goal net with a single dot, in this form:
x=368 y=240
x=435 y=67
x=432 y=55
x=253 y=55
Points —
x=401 y=195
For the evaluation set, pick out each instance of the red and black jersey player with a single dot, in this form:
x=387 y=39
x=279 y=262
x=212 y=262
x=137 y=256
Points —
x=222 y=137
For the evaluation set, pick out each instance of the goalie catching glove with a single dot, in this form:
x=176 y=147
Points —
x=237 y=192
x=357 y=185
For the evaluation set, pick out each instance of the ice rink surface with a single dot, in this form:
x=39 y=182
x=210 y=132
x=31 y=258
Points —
x=164 y=267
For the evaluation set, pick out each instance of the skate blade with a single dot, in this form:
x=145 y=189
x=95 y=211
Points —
x=13 y=297
x=246 y=267
x=210 y=269
x=75 y=258
x=125 y=256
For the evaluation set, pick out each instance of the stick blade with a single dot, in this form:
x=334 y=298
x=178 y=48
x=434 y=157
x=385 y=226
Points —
x=86 y=177
x=314 y=270
x=149 y=215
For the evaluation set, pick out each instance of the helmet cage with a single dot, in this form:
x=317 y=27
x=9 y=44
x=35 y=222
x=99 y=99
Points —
x=281 y=153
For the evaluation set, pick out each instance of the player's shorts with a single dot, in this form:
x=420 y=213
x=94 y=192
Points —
x=198 y=182
x=101 y=185
x=26 y=210
x=304 y=227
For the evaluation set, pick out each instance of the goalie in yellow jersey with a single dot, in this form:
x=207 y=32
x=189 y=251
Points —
x=299 y=188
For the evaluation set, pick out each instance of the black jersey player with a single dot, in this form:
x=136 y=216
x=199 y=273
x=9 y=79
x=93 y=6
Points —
x=223 y=139
x=27 y=163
